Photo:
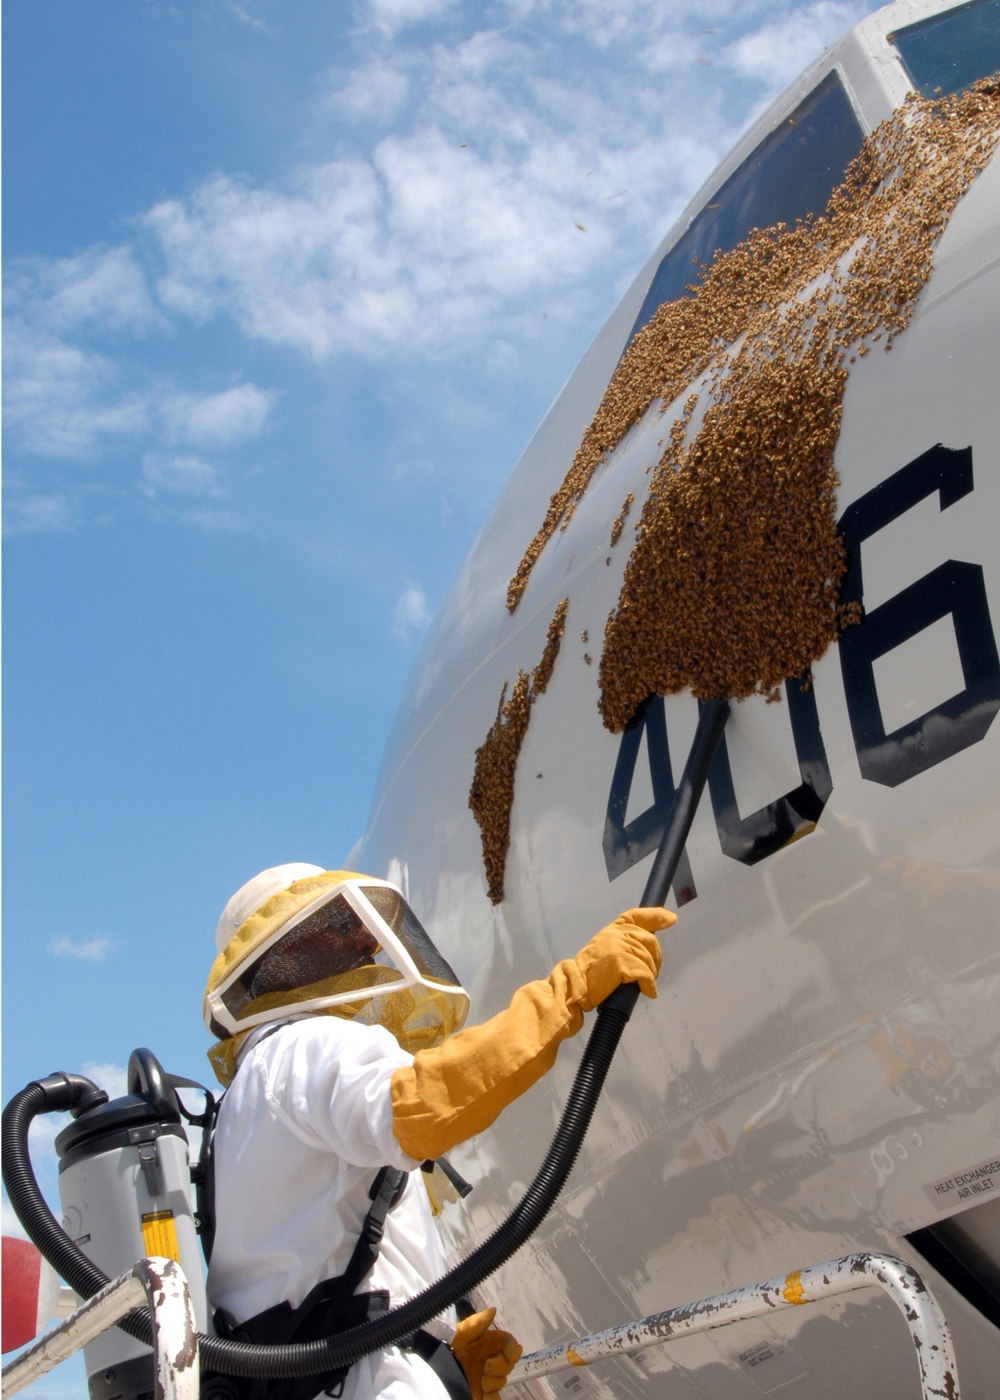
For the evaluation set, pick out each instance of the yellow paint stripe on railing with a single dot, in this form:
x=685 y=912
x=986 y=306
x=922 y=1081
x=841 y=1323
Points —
x=574 y=1358
x=793 y=1292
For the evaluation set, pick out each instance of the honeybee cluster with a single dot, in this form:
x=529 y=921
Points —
x=491 y=796
x=733 y=583
x=734 y=579
x=619 y=522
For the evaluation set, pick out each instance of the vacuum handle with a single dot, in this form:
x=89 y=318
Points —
x=147 y=1078
x=712 y=718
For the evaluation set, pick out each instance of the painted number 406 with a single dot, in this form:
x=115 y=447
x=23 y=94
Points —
x=955 y=588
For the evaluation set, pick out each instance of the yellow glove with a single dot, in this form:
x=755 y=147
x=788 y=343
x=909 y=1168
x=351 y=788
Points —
x=458 y=1088
x=626 y=951
x=487 y=1354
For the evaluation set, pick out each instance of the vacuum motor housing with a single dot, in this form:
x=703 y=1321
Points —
x=125 y=1189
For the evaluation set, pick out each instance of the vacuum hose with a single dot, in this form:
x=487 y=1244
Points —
x=73 y=1092
x=62 y=1091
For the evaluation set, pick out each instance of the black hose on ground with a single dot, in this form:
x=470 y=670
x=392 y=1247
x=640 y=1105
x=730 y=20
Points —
x=60 y=1092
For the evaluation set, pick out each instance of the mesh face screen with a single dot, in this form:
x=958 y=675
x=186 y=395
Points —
x=417 y=1016
x=328 y=943
x=392 y=907
x=331 y=961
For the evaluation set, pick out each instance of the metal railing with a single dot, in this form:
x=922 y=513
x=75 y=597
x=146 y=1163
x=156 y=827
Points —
x=161 y=1285
x=928 y=1329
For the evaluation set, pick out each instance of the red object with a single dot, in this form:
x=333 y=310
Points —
x=22 y=1271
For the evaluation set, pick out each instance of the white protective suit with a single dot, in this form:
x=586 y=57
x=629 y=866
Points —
x=302 y=1133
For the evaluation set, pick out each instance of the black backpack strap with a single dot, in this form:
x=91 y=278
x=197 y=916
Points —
x=442 y=1361
x=333 y=1306
x=463 y=1187
x=385 y=1192
x=325 y=1311
x=203 y=1175
x=203 y=1171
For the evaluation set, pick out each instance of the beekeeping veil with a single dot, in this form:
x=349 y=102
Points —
x=297 y=940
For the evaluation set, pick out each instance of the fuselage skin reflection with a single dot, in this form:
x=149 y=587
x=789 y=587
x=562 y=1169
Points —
x=821 y=1072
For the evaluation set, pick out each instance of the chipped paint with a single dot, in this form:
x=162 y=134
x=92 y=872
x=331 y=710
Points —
x=161 y=1285
x=928 y=1329
x=178 y=1375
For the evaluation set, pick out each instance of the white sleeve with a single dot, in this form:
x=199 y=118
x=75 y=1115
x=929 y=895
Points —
x=329 y=1080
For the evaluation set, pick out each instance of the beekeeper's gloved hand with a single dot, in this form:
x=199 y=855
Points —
x=626 y=951
x=458 y=1088
x=487 y=1353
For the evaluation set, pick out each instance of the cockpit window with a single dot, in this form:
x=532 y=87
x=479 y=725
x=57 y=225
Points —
x=948 y=52
x=792 y=173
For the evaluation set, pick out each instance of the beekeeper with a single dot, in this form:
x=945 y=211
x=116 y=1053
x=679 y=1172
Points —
x=338 y=1027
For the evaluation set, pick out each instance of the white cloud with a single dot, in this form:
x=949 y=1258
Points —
x=102 y=287
x=70 y=402
x=216 y=522
x=185 y=476
x=245 y=17
x=279 y=263
x=411 y=615
x=11 y=1224
x=61 y=400
x=523 y=161
x=375 y=91
x=92 y=950
x=42 y=1134
x=30 y=511
x=110 y=1077
x=392 y=15
x=170 y=481
x=219 y=419
x=672 y=52
x=778 y=51
x=529 y=168
x=66 y=398
x=631 y=24
x=510 y=182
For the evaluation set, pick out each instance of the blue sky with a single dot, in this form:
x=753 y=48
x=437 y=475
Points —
x=288 y=287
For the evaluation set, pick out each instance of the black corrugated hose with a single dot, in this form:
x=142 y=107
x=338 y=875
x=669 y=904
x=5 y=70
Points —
x=61 y=1092
x=223 y=1355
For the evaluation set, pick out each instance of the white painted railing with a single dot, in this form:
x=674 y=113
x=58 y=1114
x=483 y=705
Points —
x=928 y=1329
x=161 y=1285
